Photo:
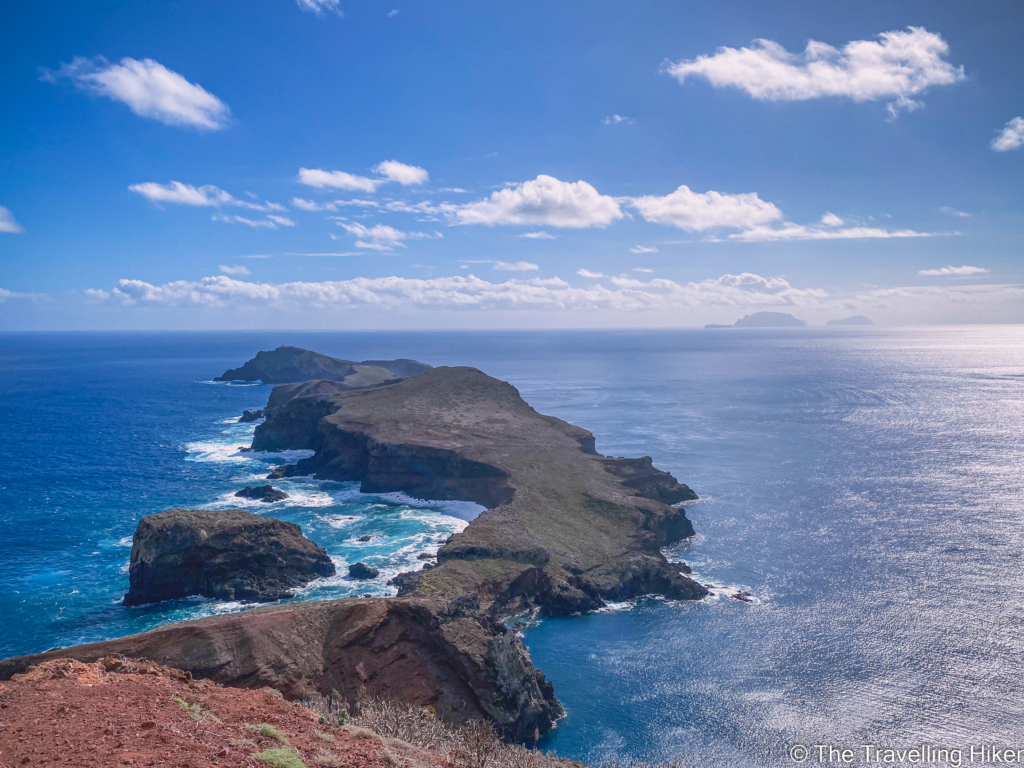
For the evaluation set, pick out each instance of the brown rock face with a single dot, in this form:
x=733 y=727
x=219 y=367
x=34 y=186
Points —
x=566 y=528
x=424 y=652
x=227 y=554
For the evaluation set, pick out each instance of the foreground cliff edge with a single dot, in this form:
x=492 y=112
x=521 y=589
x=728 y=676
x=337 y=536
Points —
x=566 y=529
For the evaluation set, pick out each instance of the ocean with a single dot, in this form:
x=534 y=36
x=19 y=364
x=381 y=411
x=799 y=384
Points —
x=865 y=485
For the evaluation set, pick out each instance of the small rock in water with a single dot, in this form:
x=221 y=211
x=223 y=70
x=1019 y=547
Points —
x=365 y=538
x=424 y=556
x=265 y=493
x=362 y=571
x=743 y=596
x=250 y=416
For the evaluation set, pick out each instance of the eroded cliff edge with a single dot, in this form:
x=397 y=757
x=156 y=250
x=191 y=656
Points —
x=422 y=652
x=566 y=528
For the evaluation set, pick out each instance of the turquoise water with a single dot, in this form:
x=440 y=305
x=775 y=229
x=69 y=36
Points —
x=864 y=484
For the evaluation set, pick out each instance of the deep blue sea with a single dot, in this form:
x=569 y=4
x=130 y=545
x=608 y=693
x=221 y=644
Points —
x=866 y=485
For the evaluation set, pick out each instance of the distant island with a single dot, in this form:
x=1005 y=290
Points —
x=852 y=320
x=764 y=320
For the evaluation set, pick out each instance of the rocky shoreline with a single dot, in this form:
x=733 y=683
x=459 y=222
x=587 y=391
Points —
x=565 y=531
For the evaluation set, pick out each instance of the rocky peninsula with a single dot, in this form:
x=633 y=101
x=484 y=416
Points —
x=226 y=554
x=565 y=530
x=288 y=365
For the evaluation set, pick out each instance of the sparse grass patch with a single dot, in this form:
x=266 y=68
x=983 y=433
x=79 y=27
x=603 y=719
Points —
x=243 y=743
x=266 y=729
x=324 y=736
x=275 y=693
x=281 y=758
x=358 y=732
x=196 y=710
x=329 y=760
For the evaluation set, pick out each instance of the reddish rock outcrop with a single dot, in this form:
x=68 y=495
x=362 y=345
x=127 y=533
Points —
x=120 y=711
x=424 y=652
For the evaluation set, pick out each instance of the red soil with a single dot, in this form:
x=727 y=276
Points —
x=119 y=712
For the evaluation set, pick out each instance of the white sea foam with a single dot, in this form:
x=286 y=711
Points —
x=125 y=541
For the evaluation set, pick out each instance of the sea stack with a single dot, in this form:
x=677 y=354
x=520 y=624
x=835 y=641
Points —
x=225 y=554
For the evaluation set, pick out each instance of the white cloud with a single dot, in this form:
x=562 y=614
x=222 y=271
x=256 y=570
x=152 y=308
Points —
x=453 y=189
x=899 y=65
x=406 y=175
x=206 y=195
x=954 y=212
x=7 y=222
x=5 y=295
x=319 y=6
x=515 y=266
x=149 y=89
x=791 y=231
x=1011 y=137
x=588 y=274
x=271 y=222
x=236 y=270
x=469 y=292
x=315 y=177
x=382 y=237
x=643 y=249
x=963 y=271
x=392 y=13
x=831 y=220
x=616 y=119
x=183 y=194
x=310 y=205
x=698 y=211
x=642 y=269
x=537 y=236
x=544 y=201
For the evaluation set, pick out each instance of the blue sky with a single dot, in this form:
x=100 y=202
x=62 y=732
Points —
x=174 y=165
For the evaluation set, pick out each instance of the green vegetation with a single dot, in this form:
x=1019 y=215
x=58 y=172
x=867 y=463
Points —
x=197 y=712
x=266 y=729
x=281 y=758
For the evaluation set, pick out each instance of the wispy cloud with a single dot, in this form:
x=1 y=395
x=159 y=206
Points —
x=964 y=271
x=538 y=235
x=392 y=13
x=544 y=201
x=790 y=231
x=954 y=212
x=898 y=66
x=8 y=223
x=382 y=237
x=642 y=269
x=320 y=7
x=1011 y=137
x=469 y=292
x=149 y=89
x=209 y=196
x=515 y=266
x=618 y=120
x=388 y=171
x=271 y=222
x=234 y=270
x=316 y=177
x=588 y=274
x=643 y=249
